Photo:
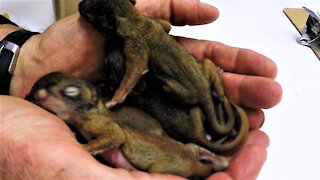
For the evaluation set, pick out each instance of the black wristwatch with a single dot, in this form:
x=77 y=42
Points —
x=9 y=51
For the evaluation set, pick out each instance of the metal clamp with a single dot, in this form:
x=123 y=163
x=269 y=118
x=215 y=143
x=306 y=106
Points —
x=15 y=49
x=311 y=31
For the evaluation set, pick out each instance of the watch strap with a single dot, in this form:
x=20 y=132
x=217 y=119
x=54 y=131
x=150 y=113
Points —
x=9 y=51
x=4 y=20
x=19 y=37
x=5 y=77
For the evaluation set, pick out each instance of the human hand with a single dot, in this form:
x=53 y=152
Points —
x=37 y=145
x=73 y=46
x=249 y=80
x=67 y=46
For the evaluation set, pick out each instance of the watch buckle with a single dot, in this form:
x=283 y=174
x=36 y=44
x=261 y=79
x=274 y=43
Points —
x=15 y=49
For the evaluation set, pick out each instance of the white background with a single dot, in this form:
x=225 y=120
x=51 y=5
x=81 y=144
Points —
x=293 y=125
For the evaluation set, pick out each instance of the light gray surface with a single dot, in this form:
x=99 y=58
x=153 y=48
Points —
x=34 y=15
x=293 y=125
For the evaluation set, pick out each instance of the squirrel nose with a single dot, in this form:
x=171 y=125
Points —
x=220 y=163
x=217 y=163
x=41 y=94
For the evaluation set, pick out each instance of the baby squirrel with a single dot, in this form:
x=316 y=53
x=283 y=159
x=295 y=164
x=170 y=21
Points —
x=78 y=103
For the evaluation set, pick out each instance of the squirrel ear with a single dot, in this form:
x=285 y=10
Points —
x=133 y=1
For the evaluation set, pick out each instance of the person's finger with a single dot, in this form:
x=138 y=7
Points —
x=179 y=12
x=220 y=176
x=231 y=59
x=252 y=91
x=257 y=137
x=247 y=163
x=255 y=118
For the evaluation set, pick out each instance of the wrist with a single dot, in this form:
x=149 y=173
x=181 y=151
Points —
x=27 y=68
x=6 y=29
x=13 y=38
